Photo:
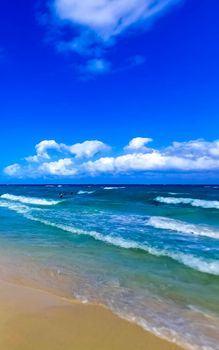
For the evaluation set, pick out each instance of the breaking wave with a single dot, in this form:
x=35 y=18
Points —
x=164 y=223
x=196 y=263
x=85 y=192
x=113 y=188
x=28 y=200
x=201 y=203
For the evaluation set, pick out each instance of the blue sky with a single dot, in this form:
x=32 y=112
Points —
x=91 y=84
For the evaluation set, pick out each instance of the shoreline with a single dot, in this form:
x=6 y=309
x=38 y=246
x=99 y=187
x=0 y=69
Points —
x=31 y=318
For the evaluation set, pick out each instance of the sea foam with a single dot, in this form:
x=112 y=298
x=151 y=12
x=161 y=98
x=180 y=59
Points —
x=182 y=227
x=113 y=188
x=28 y=200
x=207 y=204
x=18 y=208
x=85 y=192
x=196 y=263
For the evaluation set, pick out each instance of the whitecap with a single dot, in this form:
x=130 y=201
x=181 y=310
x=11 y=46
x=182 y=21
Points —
x=18 y=208
x=196 y=263
x=85 y=192
x=201 y=203
x=164 y=223
x=113 y=188
x=28 y=200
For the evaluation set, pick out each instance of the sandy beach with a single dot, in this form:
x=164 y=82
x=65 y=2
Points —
x=34 y=319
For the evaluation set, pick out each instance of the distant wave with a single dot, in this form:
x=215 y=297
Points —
x=113 y=188
x=201 y=203
x=176 y=193
x=182 y=227
x=28 y=200
x=85 y=192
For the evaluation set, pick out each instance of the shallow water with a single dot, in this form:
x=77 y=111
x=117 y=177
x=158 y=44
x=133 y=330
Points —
x=150 y=253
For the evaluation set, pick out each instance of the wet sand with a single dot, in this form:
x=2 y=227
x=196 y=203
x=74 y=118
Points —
x=32 y=319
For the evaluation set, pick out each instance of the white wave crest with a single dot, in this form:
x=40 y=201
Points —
x=85 y=192
x=28 y=200
x=113 y=188
x=182 y=227
x=196 y=263
x=199 y=264
x=18 y=208
x=207 y=204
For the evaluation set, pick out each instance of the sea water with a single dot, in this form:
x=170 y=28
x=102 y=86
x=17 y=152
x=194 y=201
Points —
x=149 y=253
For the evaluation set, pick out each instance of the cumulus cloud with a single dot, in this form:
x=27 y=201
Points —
x=62 y=167
x=138 y=144
x=42 y=150
x=136 y=157
x=85 y=149
x=141 y=162
x=195 y=148
x=95 y=25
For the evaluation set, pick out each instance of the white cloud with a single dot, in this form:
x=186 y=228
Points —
x=88 y=148
x=85 y=149
x=98 y=23
x=196 y=148
x=12 y=170
x=192 y=156
x=138 y=144
x=42 y=150
x=62 y=167
x=154 y=161
x=108 y=18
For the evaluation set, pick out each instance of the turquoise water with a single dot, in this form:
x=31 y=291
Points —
x=149 y=253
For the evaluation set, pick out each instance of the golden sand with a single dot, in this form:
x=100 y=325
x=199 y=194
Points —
x=36 y=320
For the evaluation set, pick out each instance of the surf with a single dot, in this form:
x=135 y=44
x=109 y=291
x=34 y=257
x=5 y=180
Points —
x=179 y=226
x=28 y=200
x=201 y=203
x=108 y=188
x=196 y=263
x=85 y=192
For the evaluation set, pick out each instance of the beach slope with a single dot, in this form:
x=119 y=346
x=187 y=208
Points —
x=34 y=319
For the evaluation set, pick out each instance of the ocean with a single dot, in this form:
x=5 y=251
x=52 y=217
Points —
x=149 y=253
